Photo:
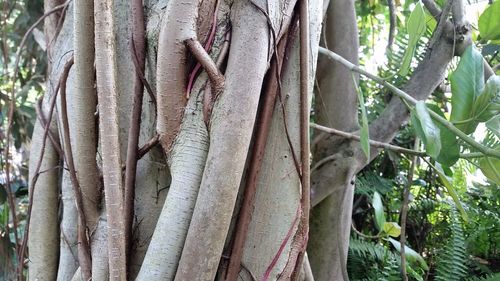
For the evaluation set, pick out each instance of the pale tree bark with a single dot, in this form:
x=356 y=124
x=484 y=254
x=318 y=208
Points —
x=44 y=245
x=106 y=77
x=44 y=242
x=204 y=153
x=336 y=106
x=278 y=189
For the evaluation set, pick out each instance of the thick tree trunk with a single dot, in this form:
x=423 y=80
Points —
x=336 y=106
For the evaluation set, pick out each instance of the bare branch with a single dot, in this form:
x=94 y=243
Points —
x=83 y=233
x=403 y=95
x=138 y=45
x=373 y=143
x=404 y=210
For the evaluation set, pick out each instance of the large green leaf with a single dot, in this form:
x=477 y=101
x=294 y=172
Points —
x=392 y=229
x=410 y=254
x=426 y=129
x=450 y=152
x=490 y=167
x=487 y=103
x=489 y=23
x=466 y=85
x=494 y=125
x=415 y=26
x=378 y=207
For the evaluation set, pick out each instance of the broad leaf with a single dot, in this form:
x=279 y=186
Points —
x=378 y=207
x=415 y=26
x=489 y=25
x=490 y=167
x=426 y=129
x=410 y=254
x=494 y=125
x=466 y=85
x=487 y=104
x=392 y=229
x=450 y=152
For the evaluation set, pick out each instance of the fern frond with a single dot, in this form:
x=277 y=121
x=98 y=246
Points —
x=451 y=259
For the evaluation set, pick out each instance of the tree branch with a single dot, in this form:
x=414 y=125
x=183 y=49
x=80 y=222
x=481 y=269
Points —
x=405 y=96
x=373 y=143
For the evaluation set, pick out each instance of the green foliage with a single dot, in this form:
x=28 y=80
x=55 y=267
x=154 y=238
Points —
x=378 y=207
x=466 y=85
x=487 y=104
x=491 y=277
x=450 y=153
x=451 y=259
x=489 y=25
x=427 y=131
x=415 y=27
x=372 y=261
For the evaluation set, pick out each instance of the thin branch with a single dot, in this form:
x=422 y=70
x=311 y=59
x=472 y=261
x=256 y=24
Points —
x=83 y=233
x=433 y=8
x=215 y=76
x=403 y=95
x=138 y=45
x=305 y=108
x=148 y=146
x=392 y=23
x=404 y=210
x=43 y=122
x=373 y=143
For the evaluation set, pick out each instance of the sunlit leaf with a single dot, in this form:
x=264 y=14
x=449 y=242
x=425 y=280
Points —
x=392 y=229
x=378 y=207
x=410 y=254
x=466 y=85
x=450 y=148
x=415 y=26
x=487 y=103
x=426 y=129
x=489 y=25
x=490 y=167
x=494 y=125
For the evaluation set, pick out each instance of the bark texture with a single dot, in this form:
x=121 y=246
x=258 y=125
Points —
x=336 y=105
x=230 y=133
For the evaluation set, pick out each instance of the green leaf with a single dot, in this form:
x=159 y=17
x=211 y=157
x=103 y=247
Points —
x=364 y=135
x=494 y=125
x=491 y=168
x=410 y=254
x=466 y=85
x=450 y=152
x=378 y=207
x=450 y=189
x=415 y=26
x=489 y=25
x=392 y=229
x=426 y=129
x=487 y=103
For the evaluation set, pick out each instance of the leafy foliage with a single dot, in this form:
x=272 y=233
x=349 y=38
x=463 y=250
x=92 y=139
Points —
x=450 y=263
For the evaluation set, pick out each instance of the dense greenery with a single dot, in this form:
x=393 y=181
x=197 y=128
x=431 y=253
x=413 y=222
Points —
x=453 y=222
x=454 y=246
